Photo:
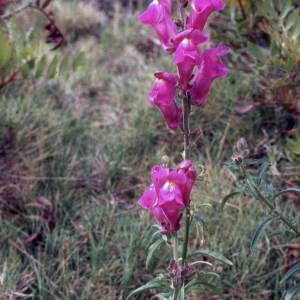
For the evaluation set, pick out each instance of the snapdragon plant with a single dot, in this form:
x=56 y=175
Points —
x=255 y=186
x=168 y=198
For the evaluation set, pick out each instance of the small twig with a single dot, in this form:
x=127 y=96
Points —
x=42 y=177
x=242 y=10
x=10 y=79
x=8 y=15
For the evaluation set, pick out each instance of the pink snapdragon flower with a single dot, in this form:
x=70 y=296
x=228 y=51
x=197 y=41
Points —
x=187 y=54
x=162 y=95
x=210 y=69
x=158 y=15
x=168 y=194
x=201 y=10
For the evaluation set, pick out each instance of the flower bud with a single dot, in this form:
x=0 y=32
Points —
x=165 y=162
x=174 y=271
x=194 y=135
x=245 y=153
x=242 y=144
x=236 y=159
x=178 y=23
x=236 y=150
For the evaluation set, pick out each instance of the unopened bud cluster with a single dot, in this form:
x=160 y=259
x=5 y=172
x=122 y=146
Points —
x=240 y=151
x=175 y=271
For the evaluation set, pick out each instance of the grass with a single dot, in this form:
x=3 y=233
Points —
x=87 y=144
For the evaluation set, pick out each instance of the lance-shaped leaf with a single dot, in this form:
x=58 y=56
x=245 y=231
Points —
x=212 y=254
x=277 y=232
x=152 y=248
x=147 y=287
x=255 y=51
x=259 y=231
x=286 y=7
x=262 y=169
x=195 y=285
x=293 y=17
x=290 y=272
x=181 y=293
x=286 y=191
x=162 y=296
x=200 y=227
x=292 y=291
x=228 y=197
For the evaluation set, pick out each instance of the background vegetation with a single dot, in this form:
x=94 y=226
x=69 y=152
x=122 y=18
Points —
x=84 y=137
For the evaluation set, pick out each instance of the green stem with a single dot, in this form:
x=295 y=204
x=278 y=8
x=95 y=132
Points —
x=287 y=222
x=175 y=246
x=278 y=214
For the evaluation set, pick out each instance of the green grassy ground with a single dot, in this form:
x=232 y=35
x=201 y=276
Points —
x=87 y=144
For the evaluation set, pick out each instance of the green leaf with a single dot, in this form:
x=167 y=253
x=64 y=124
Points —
x=194 y=285
x=212 y=254
x=289 y=64
x=41 y=66
x=290 y=272
x=277 y=232
x=296 y=29
x=199 y=224
x=255 y=51
x=77 y=61
x=291 y=190
x=5 y=53
x=147 y=287
x=64 y=65
x=228 y=197
x=259 y=231
x=286 y=6
x=25 y=70
x=162 y=296
x=274 y=49
x=52 y=67
x=293 y=17
x=262 y=169
x=269 y=9
x=252 y=188
x=292 y=291
x=209 y=274
x=181 y=293
x=152 y=248
x=257 y=161
x=276 y=61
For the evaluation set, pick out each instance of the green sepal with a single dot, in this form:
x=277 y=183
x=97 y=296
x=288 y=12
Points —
x=212 y=254
x=290 y=272
x=228 y=197
x=152 y=248
x=292 y=291
x=259 y=231
x=149 y=286
x=194 y=285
